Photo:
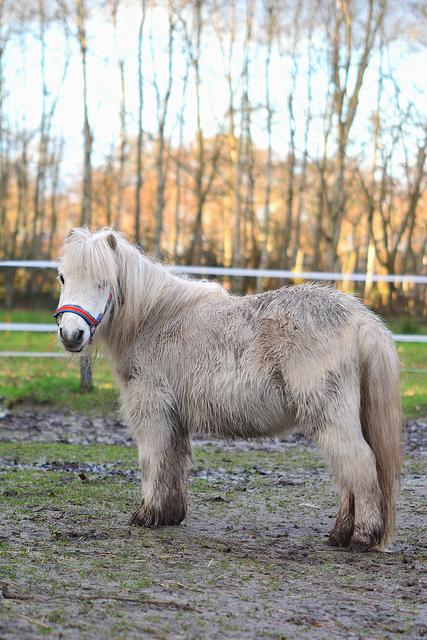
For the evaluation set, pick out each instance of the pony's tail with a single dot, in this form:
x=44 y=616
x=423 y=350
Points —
x=381 y=416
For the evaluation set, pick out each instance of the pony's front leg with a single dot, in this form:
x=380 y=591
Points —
x=164 y=453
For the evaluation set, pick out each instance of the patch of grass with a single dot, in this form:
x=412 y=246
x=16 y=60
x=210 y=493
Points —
x=23 y=452
x=36 y=316
x=414 y=378
x=53 y=381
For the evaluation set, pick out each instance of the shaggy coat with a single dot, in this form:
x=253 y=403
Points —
x=190 y=358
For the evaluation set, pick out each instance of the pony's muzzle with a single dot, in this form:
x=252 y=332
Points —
x=72 y=340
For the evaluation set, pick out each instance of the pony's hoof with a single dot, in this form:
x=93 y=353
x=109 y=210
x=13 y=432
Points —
x=341 y=543
x=363 y=541
x=151 y=519
x=340 y=537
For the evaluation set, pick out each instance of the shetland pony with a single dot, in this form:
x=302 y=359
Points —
x=189 y=357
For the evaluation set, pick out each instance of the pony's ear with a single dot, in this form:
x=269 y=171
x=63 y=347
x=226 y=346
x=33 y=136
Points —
x=111 y=239
x=69 y=234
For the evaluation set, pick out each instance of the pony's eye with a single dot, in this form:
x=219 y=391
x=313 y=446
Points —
x=61 y=278
x=102 y=285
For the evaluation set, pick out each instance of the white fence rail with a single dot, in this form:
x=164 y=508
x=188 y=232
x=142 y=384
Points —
x=27 y=326
x=280 y=274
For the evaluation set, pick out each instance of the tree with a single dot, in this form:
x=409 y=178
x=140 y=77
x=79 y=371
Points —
x=114 y=6
x=243 y=158
x=263 y=262
x=50 y=98
x=5 y=34
x=162 y=102
x=140 y=135
x=351 y=38
x=86 y=204
x=204 y=174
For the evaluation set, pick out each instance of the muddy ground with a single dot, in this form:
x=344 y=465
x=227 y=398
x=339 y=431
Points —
x=250 y=561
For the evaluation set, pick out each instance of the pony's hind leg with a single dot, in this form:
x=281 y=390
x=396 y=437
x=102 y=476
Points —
x=164 y=453
x=360 y=522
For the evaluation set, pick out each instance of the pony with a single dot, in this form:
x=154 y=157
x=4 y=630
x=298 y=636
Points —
x=189 y=357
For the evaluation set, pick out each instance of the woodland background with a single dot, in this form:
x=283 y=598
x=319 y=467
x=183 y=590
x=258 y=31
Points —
x=286 y=134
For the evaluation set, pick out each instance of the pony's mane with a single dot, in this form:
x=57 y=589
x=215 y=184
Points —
x=88 y=253
x=106 y=256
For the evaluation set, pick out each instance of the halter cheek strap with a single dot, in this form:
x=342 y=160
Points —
x=92 y=322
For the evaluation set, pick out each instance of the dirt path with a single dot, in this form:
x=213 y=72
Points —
x=250 y=560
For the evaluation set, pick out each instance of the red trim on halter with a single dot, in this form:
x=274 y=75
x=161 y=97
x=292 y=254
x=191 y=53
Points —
x=73 y=308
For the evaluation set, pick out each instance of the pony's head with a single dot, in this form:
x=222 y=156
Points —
x=88 y=274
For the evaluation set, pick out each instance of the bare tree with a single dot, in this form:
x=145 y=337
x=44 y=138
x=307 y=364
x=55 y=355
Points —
x=140 y=137
x=243 y=160
x=162 y=102
x=302 y=199
x=263 y=262
x=178 y=162
x=44 y=136
x=295 y=36
x=351 y=37
x=237 y=175
x=55 y=165
x=5 y=34
x=394 y=188
x=86 y=205
x=114 y=8
x=226 y=36
x=204 y=171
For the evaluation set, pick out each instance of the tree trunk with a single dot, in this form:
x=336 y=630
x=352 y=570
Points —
x=263 y=262
x=86 y=205
x=161 y=163
x=140 y=139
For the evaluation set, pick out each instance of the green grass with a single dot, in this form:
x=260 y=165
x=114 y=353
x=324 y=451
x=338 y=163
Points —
x=414 y=383
x=56 y=381
x=26 y=452
x=413 y=356
x=44 y=317
x=53 y=381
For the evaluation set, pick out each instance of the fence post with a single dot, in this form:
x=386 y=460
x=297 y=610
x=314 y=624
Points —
x=86 y=381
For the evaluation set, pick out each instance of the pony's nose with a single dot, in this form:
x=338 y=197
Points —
x=71 y=339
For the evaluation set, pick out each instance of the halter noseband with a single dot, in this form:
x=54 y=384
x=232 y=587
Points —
x=92 y=322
